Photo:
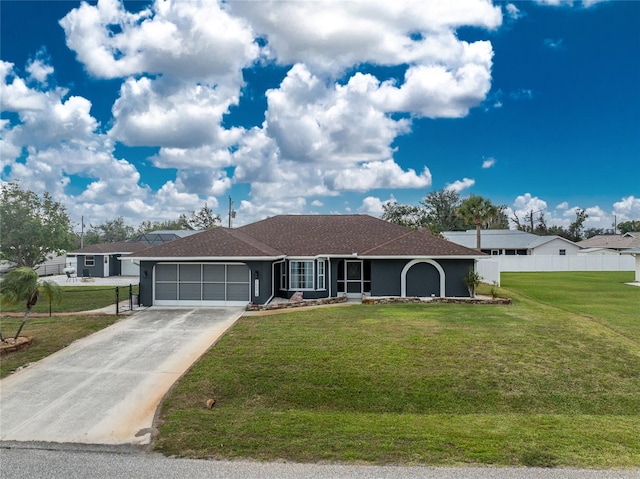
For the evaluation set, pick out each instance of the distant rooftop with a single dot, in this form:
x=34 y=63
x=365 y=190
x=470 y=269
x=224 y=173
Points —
x=499 y=239
x=161 y=236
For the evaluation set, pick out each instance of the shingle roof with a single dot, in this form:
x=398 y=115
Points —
x=310 y=235
x=627 y=240
x=216 y=242
x=122 y=247
x=420 y=243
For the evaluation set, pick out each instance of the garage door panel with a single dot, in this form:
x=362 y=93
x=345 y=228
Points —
x=237 y=291
x=166 y=291
x=213 y=292
x=190 y=272
x=190 y=291
x=213 y=273
x=167 y=272
x=237 y=273
x=195 y=284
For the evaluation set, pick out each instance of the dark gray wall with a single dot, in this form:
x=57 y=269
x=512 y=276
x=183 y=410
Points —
x=115 y=265
x=95 y=271
x=263 y=270
x=456 y=270
x=146 y=283
x=422 y=278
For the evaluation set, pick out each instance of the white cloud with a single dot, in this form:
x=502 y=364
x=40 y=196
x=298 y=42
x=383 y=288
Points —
x=378 y=174
x=312 y=122
x=562 y=206
x=513 y=12
x=627 y=208
x=460 y=185
x=569 y=3
x=39 y=68
x=372 y=205
x=197 y=40
x=488 y=163
x=330 y=36
x=160 y=113
x=554 y=43
x=317 y=203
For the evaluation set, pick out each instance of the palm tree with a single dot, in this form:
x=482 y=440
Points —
x=477 y=210
x=22 y=284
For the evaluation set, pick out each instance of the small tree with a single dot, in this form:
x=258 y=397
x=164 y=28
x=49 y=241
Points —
x=405 y=215
x=32 y=227
x=472 y=280
x=201 y=220
x=479 y=211
x=628 y=226
x=21 y=285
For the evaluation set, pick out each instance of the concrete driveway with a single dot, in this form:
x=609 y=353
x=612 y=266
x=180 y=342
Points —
x=105 y=388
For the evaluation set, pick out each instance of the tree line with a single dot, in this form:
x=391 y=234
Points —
x=35 y=227
x=445 y=210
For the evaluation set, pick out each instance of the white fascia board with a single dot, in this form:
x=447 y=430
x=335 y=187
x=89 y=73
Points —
x=204 y=259
x=434 y=257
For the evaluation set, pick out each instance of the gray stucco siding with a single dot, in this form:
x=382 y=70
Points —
x=456 y=270
x=95 y=271
x=423 y=279
x=261 y=271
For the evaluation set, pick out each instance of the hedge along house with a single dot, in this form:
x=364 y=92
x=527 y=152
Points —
x=321 y=256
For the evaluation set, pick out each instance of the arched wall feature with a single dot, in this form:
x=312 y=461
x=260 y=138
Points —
x=435 y=264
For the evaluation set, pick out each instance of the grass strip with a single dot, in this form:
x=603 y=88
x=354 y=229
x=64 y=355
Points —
x=49 y=335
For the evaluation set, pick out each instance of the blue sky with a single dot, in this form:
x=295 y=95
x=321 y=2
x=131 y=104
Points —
x=148 y=110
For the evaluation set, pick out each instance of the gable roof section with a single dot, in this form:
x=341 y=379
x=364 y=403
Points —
x=216 y=242
x=421 y=243
x=119 y=247
x=627 y=240
x=312 y=235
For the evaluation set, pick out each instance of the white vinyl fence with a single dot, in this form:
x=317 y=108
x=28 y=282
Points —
x=491 y=268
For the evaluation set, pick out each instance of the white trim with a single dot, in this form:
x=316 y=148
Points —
x=206 y=259
x=407 y=267
x=303 y=277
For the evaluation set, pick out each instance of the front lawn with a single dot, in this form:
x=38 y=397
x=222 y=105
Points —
x=76 y=298
x=49 y=335
x=551 y=380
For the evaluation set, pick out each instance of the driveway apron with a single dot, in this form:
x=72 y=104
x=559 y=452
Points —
x=105 y=388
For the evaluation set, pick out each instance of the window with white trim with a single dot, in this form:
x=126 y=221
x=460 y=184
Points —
x=321 y=275
x=89 y=261
x=563 y=252
x=301 y=275
x=283 y=276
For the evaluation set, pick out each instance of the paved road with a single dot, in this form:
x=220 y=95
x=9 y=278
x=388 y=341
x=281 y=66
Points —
x=68 y=464
x=105 y=388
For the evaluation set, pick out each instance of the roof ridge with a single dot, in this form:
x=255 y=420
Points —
x=388 y=242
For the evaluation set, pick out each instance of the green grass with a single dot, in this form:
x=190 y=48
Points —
x=49 y=335
x=552 y=380
x=76 y=298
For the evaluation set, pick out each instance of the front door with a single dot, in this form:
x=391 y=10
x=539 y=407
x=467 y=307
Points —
x=354 y=279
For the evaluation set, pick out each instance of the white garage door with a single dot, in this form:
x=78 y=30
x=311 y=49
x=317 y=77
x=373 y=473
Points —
x=207 y=284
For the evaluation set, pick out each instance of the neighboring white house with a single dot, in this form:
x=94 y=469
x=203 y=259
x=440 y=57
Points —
x=513 y=243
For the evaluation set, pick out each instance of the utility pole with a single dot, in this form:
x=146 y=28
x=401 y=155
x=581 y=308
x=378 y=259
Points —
x=82 y=232
x=232 y=212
